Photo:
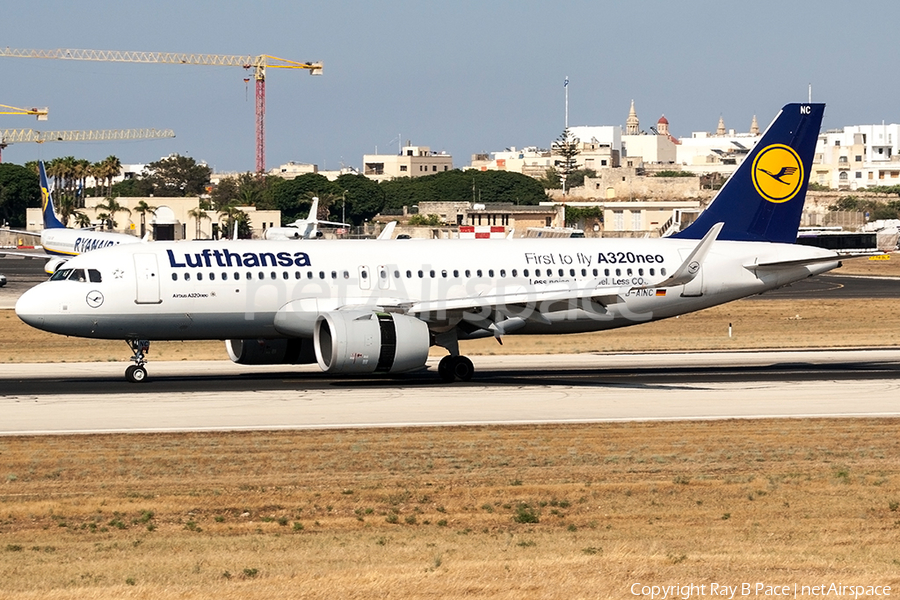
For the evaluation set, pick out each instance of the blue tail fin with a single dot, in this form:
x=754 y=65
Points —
x=50 y=219
x=763 y=199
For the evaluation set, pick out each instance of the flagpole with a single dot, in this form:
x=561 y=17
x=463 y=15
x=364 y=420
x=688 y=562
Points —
x=566 y=86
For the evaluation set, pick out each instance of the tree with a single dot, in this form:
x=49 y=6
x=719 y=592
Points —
x=551 y=179
x=111 y=207
x=19 y=189
x=198 y=214
x=291 y=196
x=566 y=147
x=142 y=208
x=364 y=198
x=232 y=214
x=576 y=177
x=177 y=176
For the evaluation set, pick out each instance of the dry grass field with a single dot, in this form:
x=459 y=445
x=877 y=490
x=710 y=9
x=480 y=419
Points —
x=556 y=512
x=581 y=511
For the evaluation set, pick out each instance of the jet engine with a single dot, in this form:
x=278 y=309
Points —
x=370 y=342
x=293 y=351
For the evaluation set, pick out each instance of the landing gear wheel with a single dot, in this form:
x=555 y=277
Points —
x=463 y=368
x=136 y=374
x=446 y=368
x=452 y=368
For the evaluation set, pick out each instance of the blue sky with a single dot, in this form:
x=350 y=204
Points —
x=460 y=76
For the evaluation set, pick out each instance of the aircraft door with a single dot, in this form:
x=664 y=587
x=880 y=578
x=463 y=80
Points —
x=365 y=282
x=694 y=287
x=146 y=273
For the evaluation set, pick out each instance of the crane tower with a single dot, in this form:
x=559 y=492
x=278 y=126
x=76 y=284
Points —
x=259 y=64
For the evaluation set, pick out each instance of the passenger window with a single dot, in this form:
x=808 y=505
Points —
x=199 y=276
x=561 y=273
x=396 y=274
x=284 y=275
x=630 y=272
x=652 y=272
x=174 y=276
x=537 y=272
x=455 y=273
x=514 y=272
x=618 y=272
x=431 y=273
x=334 y=274
x=212 y=276
x=187 y=276
x=421 y=274
x=502 y=272
x=572 y=272
x=444 y=273
x=409 y=274
x=490 y=272
x=297 y=275
x=584 y=272
x=595 y=272
x=606 y=272
x=249 y=275
x=346 y=274
x=662 y=271
x=468 y=273
x=262 y=275
x=525 y=272
x=309 y=275
x=478 y=273
x=321 y=274
x=640 y=271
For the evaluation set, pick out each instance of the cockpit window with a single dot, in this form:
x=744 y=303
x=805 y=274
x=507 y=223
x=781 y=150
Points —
x=77 y=275
x=61 y=274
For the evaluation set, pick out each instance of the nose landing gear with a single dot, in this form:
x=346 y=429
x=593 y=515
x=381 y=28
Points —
x=136 y=373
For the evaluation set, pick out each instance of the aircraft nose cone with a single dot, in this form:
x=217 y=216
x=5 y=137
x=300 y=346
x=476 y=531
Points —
x=32 y=306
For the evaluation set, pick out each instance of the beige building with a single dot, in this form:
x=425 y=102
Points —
x=171 y=219
x=413 y=161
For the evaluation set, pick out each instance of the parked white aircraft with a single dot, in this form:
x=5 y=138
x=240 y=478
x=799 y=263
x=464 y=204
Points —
x=302 y=229
x=62 y=243
x=377 y=306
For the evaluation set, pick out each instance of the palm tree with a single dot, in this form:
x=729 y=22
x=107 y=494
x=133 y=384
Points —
x=232 y=214
x=81 y=219
x=113 y=168
x=143 y=208
x=198 y=214
x=112 y=206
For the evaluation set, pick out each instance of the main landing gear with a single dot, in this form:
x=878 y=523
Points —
x=452 y=368
x=136 y=373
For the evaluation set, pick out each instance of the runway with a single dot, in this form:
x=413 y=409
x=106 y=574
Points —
x=215 y=396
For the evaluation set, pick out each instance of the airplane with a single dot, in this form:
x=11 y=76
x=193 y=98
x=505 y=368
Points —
x=377 y=306
x=62 y=243
x=302 y=229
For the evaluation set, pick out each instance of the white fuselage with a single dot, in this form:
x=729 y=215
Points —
x=244 y=289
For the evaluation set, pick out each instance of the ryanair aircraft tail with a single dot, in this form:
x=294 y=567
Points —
x=763 y=199
x=50 y=219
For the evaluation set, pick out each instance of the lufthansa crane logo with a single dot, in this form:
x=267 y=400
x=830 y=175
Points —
x=777 y=173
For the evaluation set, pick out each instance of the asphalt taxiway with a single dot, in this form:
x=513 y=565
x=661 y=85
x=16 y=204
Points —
x=190 y=396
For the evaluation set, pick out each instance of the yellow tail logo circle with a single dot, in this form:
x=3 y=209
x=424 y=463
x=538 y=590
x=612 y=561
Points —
x=777 y=173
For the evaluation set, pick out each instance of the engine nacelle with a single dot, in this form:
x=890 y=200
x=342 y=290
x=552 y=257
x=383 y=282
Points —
x=292 y=351
x=370 y=342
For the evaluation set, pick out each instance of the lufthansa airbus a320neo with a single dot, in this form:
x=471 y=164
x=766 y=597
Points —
x=378 y=306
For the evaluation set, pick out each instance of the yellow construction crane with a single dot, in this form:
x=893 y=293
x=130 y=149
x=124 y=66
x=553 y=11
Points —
x=259 y=64
x=15 y=136
x=40 y=113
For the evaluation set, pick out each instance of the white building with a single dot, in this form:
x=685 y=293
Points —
x=720 y=152
x=858 y=156
x=413 y=161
